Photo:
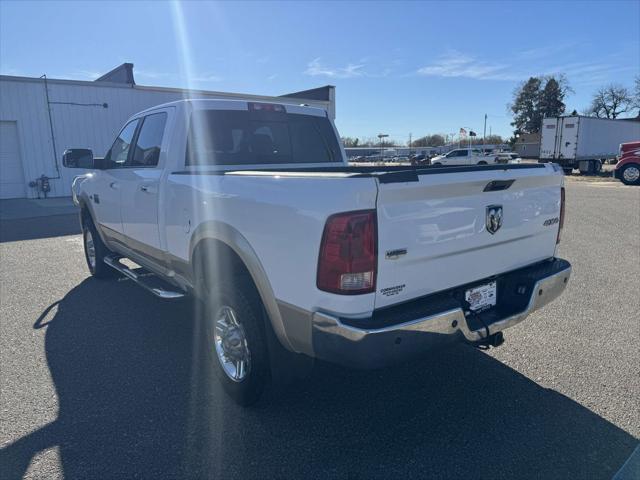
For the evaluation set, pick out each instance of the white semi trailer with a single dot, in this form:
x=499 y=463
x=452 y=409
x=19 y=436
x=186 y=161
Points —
x=584 y=142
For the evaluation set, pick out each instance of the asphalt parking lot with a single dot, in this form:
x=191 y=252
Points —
x=101 y=380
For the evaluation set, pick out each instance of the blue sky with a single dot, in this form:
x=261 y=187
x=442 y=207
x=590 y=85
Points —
x=414 y=67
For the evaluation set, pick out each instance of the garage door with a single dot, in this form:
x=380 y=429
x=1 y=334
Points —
x=11 y=173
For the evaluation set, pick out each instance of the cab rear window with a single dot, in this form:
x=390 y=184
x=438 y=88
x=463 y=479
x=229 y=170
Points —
x=242 y=137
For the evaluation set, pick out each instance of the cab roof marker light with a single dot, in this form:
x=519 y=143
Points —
x=266 y=107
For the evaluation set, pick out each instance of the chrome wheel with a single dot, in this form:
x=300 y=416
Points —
x=90 y=248
x=231 y=344
x=631 y=174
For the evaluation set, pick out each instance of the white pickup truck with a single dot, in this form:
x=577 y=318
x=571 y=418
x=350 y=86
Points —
x=464 y=156
x=251 y=209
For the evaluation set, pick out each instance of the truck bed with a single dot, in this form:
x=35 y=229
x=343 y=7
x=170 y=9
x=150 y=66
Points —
x=434 y=216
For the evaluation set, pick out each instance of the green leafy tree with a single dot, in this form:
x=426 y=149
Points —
x=552 y=99
x=537 y=98
x=526 y=106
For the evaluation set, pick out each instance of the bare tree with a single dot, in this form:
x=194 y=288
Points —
x=350 y=142
x=429 y=141
x=611 y=101
x=494 y=140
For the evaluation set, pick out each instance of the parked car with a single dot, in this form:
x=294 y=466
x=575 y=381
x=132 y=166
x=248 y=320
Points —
x=400 y=159
x=290 y=254
x=507 y=157
x=420 y=159
x=628 y=167
x=463 y=156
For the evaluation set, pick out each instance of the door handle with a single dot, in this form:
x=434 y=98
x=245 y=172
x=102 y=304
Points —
x=147 y=189
x=114 y=185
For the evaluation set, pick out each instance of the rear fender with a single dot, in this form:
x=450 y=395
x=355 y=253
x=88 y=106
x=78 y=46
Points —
x=228 y=235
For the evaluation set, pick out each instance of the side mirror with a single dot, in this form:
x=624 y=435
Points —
x=78 y=158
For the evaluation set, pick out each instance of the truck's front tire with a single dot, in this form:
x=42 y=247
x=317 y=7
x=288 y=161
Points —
x=95 y=251
x=630 y=174
x=235 y=341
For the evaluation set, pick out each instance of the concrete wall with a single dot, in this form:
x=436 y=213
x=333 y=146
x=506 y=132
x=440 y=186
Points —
x=79 y=119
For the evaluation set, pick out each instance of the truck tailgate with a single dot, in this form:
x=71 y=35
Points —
x=433 y=235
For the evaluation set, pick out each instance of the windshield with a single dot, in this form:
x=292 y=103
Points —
x=241 y=137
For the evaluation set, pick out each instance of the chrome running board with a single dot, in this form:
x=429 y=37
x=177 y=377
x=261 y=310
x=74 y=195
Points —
x=146 y=280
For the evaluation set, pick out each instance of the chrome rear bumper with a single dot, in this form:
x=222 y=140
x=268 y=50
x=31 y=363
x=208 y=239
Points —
x=336 y=341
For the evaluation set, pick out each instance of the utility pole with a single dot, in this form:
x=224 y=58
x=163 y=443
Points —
x=381 y=136
x=409 y=143
x=484 y=132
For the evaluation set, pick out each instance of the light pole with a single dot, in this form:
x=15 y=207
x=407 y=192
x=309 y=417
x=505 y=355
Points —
x=380 y=137
x=484 y=131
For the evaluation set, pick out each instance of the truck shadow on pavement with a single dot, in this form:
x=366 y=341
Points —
x=133 y=402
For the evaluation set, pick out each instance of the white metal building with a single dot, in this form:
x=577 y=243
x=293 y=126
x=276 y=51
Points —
x=40 y=118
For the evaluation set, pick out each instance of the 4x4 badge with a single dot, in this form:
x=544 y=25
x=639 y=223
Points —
x=494 y=218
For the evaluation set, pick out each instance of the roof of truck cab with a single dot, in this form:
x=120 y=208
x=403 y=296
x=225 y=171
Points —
x=226 y=104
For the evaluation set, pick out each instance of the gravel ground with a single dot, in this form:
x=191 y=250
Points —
x=100 y=380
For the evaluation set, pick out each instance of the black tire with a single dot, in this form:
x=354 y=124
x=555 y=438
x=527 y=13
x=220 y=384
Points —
x=96 y=266
x=597 y=166
x=482 y=162
x=239 y=294
x=626 y=169
x=436 y=163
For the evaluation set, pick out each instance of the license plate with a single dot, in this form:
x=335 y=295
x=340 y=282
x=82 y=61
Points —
x=481 y=297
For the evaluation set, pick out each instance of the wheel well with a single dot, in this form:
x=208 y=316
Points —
x=85 y=215
x=212 y=259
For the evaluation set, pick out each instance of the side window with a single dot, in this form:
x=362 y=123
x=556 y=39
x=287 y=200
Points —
x=452 y=154
x=308 y=142
x=463 y=153
x=146 y=152
x=120 y=148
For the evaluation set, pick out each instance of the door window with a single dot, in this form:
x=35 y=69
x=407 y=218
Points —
x=120 y=149
x=147 y=149
x=463 y=153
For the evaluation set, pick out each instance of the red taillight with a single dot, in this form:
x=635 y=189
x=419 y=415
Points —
x=348 y=253
x=561 y=224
